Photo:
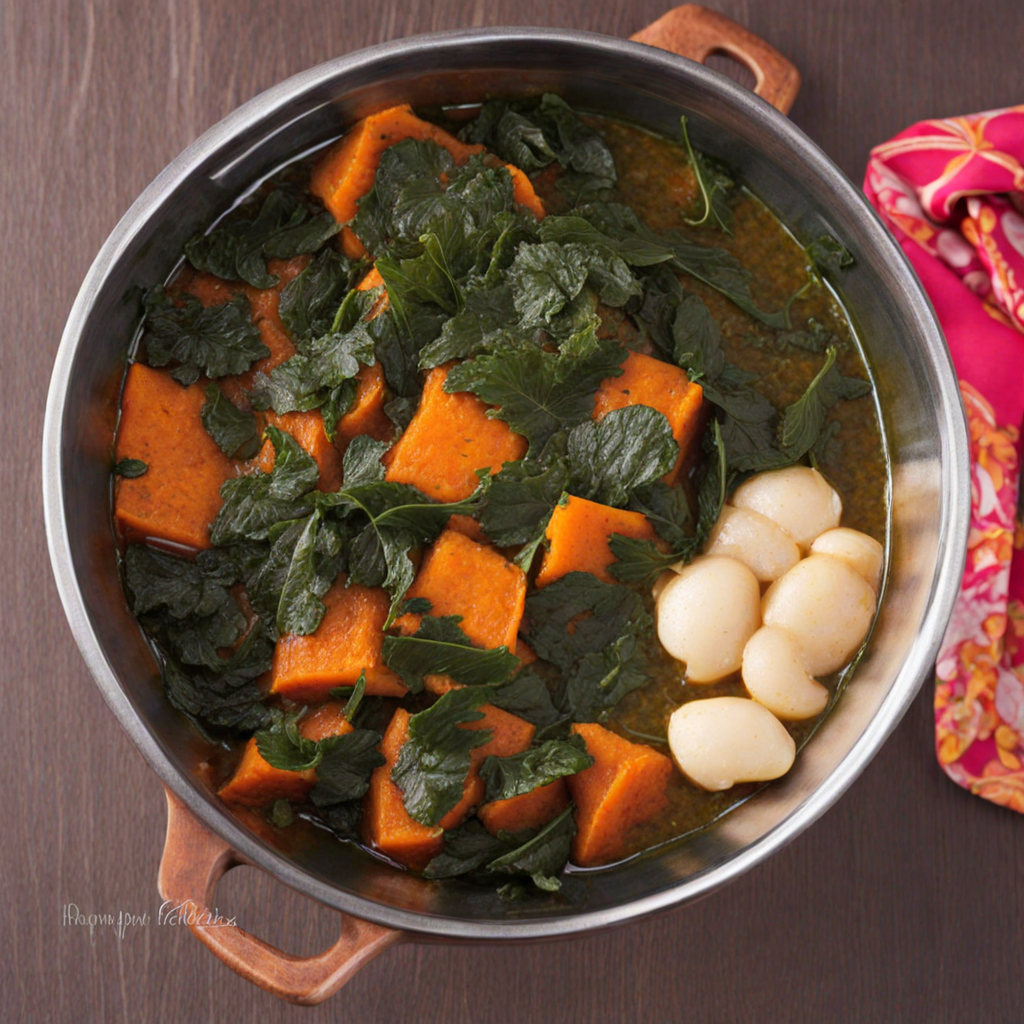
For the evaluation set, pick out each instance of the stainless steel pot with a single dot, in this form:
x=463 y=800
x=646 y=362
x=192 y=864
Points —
x=916 y=389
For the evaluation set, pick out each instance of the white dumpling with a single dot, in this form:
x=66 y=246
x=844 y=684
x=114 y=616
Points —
x=720 y=741
x=707 y=613
x=799 y=499
x=860 y=552
x=774 y=675
x=826 y=606
x=763 y=546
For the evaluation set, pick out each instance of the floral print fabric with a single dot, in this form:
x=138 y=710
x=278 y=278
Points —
x=952 y=192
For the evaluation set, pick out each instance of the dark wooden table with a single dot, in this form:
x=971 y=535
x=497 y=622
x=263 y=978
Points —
x=905 y=903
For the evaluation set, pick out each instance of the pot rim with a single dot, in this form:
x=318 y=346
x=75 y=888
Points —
x=950 y=554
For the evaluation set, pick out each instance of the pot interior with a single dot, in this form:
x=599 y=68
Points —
x=915 y=388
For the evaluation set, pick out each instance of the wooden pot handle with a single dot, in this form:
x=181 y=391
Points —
x=194 y=860
x=695 y=32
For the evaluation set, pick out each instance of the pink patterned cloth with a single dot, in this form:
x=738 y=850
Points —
x=952 y=192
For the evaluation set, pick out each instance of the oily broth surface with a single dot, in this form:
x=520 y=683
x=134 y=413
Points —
x=655 y=179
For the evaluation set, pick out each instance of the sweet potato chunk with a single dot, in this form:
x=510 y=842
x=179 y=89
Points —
x=468 y=527
x=326 y=720
x=448 y=440
x=308 y=429
x=578 y=534
x=178 y=497
x=347 y=641
x=510 y=735
x=647 y=381
x=345 y=173
x=624 y=787
x=367 y=415
x=461 y=577
x=256 y=782
x=531 y=810
x=386 y=824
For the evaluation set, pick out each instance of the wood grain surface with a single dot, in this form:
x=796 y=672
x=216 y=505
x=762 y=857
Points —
x=905 y=903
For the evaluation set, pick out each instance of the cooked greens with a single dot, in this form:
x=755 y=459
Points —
x=533 y=317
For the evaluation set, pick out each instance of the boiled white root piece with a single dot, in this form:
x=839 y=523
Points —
x=707 y=613
x=774 y=675
x=799 y=499
x=763 y=546
x=720 y=741
x=860 y=552
x=826 y=606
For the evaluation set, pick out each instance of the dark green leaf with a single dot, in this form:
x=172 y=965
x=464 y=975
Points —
x=254 y=503
x=543 y=855
x=527 y=695
x=215 y=341
x=286 y=225
x=309 y=303
x=697 y=340
x=628 y=448
x=433 y=764
x=508 y=777
x=309 y=381
x=300 y=609
x=439 y=647
x=343 y=774
x=668 y=511
x=519 y=502
x=590 y=629
x=356 y=698
x=829 y=256
x=803 y=421
x=489 y=319
x=234 y=431
x=361 y=464
x=229 y=699
x=131 y=469
x=186 y=605
x=466 y=850
x=537 y=393
x=640 y=561
x=283 y=746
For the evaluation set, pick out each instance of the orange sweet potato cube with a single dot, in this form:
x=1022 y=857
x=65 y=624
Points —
x=578 y=536
x=326 y=720
x=530 y=810
x=624 y=787
x=255 y=782
x=178 y=496
x=448 y=440
x=347 y=642
x=468 y=527
x=667 y=388
x=386 y=824
x=308 y=429
x=367 y=415
x=461 y=577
